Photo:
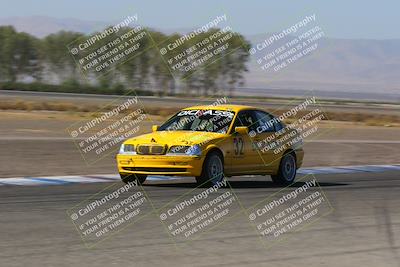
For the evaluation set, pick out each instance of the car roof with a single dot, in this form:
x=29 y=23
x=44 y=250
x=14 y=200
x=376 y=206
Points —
x=235 y=108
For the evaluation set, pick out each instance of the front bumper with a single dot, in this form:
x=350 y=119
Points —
x=176 y=165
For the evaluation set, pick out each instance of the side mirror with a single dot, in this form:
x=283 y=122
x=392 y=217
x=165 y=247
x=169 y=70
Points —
x=154 y=128
x=242 y=130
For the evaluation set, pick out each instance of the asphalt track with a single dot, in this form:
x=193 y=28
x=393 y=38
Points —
x=363 y=228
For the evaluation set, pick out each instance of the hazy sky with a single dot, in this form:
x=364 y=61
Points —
x=339 y=18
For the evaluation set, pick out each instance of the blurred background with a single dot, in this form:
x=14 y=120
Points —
x=353 y=73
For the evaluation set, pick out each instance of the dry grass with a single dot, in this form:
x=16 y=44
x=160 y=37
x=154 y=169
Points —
x=371 y=119
x=67 y=106
x=51 y=106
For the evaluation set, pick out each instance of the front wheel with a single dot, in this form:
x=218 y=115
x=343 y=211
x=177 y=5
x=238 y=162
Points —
x=213 y=170
x=287 y=170
x=128 y=178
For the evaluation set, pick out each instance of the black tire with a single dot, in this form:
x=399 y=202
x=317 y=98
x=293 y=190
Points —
x=213 y=170
x=127 y=178
x=287 y=170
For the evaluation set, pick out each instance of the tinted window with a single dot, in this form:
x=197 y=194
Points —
x=245 y=118
x=217 y=121
x=266 y=122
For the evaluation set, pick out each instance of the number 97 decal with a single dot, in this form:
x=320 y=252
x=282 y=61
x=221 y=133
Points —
x=238 y=146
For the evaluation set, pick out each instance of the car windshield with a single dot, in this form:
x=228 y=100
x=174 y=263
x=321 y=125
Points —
x=210 y=120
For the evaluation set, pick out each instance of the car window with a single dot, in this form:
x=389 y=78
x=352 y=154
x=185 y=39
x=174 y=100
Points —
x=279 y=126
x=245 y=118
x=217 y=121
x=266 y=122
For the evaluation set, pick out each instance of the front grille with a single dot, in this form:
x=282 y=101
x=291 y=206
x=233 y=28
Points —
x=143 y=150
x=151 y=149
x=154 y=169
x=158 y=150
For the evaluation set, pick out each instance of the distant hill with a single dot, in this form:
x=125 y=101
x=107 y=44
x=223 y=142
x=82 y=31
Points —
x=338 y=65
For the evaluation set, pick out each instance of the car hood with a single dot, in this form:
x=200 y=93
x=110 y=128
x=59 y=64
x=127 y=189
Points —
x=185 y=138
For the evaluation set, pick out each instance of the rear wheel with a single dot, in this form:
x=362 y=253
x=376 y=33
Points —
x=287 y=170
x=127 y=178
x=213 y=170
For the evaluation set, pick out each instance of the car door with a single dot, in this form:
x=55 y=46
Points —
x=267 y=138
x=244 y=157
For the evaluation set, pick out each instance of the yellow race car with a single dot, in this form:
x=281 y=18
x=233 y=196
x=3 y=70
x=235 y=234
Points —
x=213 y=142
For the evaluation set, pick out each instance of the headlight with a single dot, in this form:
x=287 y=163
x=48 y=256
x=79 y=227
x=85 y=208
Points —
x=193 y=151
x=178 y=149
x=185 y=150
x=127 y=149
